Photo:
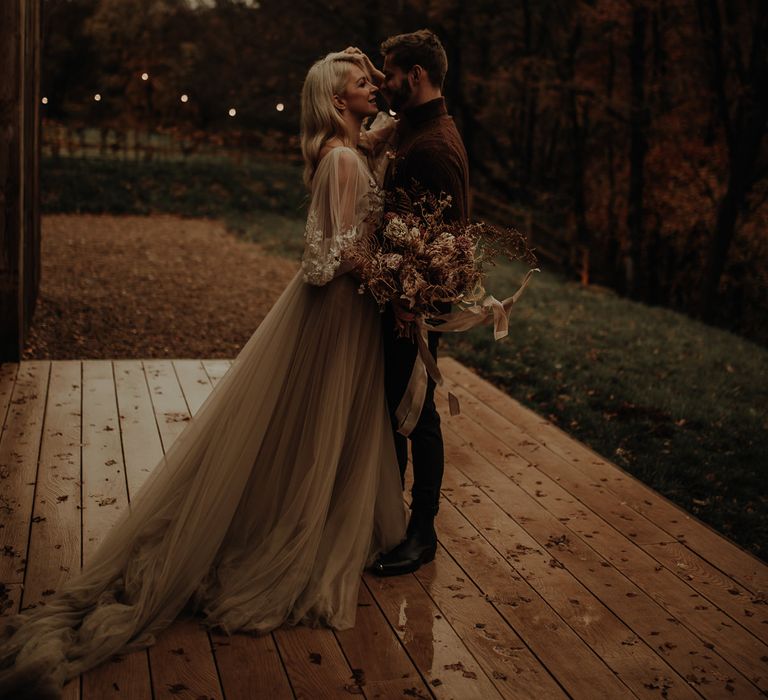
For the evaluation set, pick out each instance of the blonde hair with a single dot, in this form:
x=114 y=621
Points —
x=320 y=120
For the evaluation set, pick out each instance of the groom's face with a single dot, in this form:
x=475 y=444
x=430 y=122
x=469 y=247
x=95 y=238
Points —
x=395 y=88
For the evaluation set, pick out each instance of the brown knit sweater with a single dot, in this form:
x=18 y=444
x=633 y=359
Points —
x=431 y=153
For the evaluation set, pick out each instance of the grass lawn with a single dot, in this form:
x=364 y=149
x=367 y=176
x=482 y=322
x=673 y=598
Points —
x=678 y=404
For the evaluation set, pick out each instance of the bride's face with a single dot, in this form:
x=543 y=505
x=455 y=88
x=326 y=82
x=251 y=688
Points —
x=360 y=94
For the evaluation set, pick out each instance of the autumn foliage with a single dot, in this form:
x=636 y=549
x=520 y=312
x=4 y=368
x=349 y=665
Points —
x=631 y=133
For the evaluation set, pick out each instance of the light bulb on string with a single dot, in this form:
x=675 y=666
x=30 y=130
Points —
x=145 y=76
x=97 y=97
x=279 y=106
x=184 y=98
x=232 y=112
x=44 y=100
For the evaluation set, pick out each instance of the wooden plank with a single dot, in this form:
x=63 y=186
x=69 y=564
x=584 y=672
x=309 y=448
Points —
x=499 y=650
x=438 y=652
x=182 y=663
x=636 y=638
x=216 y=369
x=194 y=382
x=378 y=660
x=250 y=667
x=182 y=659
x=105 y=495
x=642 y=574
x=735 y=645
x=105 y=498
x=8 y=373
x=315 y=663
x=54 y=534
x=579 y=671
x=537 y=619
x=593 y=495
x=171 y=410
x=716 y=629
x=702 y=540
x=734 y=562
x=671 y=517
x=55 y=540
x=138 y=426
x=10 y=599
x=750 y=611
x=682 y=650
x=587 y=508
x=19 y=452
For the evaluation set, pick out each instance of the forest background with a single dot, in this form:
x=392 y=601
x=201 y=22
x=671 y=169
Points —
x=627 y=137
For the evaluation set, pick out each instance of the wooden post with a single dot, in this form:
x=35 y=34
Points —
x=20 y=33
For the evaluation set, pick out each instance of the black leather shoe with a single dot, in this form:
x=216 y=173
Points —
x=417 y=548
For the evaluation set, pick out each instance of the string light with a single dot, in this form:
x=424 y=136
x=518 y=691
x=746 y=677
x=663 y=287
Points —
x=280 y=107
x=392 y=113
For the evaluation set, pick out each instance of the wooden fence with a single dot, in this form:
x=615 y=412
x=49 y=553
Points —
x=131 y=144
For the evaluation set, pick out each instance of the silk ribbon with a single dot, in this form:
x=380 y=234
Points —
x=491 y=309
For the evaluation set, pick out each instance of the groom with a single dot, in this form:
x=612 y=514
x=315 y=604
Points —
x=431 y=156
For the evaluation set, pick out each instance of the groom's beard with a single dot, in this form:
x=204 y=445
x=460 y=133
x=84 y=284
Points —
x=400 y=96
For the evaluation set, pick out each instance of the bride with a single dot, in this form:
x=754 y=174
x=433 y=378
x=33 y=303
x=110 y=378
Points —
x=285 y=485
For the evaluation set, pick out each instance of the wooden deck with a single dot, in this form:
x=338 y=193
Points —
x=557 y=573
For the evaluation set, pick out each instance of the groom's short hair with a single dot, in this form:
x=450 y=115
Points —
x=421 y=48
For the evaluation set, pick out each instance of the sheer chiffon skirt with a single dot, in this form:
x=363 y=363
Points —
x=263 y=512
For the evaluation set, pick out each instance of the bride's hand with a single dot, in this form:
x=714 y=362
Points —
x=377 y=77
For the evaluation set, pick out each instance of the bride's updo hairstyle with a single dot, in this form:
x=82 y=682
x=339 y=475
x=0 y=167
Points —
x=320 y=119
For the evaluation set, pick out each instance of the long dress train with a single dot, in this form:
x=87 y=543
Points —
x=269 y=504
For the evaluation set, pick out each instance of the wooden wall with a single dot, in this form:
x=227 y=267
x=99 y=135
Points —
x=20 y=36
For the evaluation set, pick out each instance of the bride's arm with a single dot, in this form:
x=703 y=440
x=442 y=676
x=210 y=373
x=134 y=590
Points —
x=335 y=217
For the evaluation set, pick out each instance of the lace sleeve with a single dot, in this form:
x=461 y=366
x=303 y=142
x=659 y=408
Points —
x=336 y=214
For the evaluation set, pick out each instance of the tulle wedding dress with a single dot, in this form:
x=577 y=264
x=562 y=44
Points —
x=266 y=509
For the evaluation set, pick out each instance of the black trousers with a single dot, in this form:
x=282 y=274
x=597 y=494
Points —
x=426 y=438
